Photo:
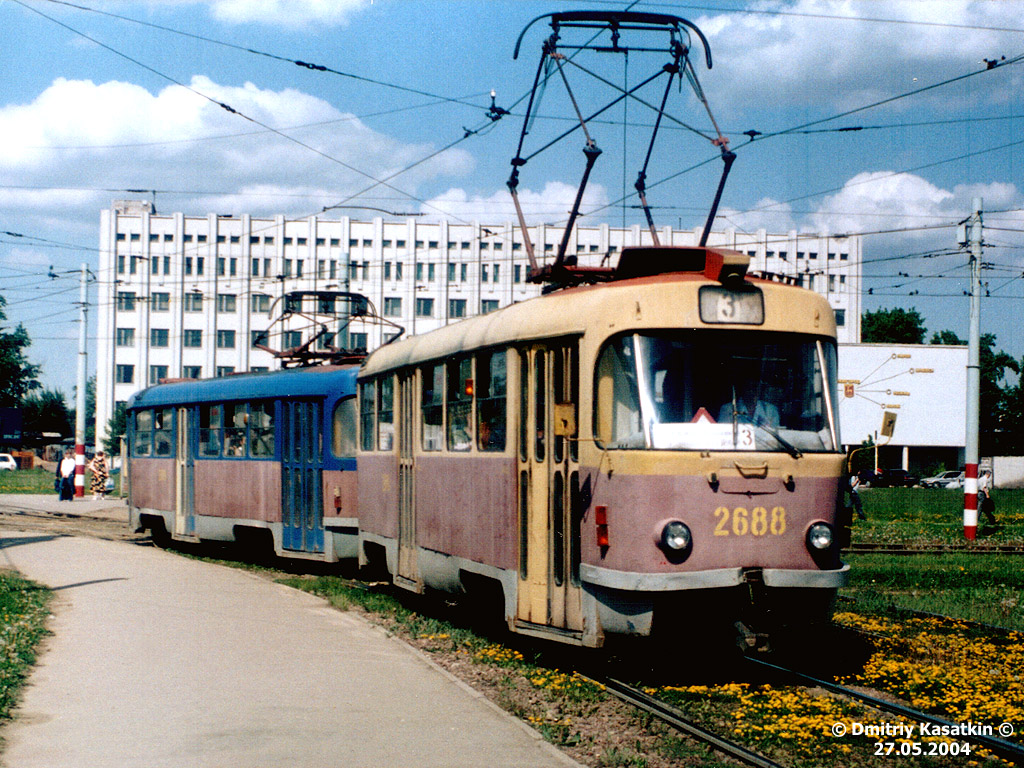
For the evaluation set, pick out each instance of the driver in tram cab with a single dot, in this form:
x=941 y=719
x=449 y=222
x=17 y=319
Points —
x=753 y=402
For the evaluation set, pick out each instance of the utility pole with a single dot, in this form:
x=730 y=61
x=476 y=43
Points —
x=973 y=380
x=83 y=329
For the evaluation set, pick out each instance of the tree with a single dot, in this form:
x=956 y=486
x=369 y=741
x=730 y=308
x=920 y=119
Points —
x=47 y=412
x=892 y=326
x=946 y=337
x=117 y=426
x=18 y=376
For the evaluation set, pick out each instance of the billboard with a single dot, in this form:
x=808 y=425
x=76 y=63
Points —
x=924 y=385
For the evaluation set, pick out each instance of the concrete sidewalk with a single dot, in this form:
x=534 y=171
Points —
x=158 y=660
x=111 y=508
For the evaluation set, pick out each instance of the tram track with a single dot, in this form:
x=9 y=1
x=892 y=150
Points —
x=1007 y=750
x=869 y=548
x=678 y=720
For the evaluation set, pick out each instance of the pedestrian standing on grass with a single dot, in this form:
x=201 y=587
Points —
x=985 y=504
x=858 y=505
x=98 y=484
x=66 y=473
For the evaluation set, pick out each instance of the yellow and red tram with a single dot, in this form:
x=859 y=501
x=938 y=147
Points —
x=608 y=458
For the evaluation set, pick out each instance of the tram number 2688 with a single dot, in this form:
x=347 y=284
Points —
x=758 y=521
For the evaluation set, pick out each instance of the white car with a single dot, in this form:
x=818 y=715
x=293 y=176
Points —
x=944 y=480
x=7 y=462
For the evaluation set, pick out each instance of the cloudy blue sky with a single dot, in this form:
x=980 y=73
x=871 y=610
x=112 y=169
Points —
x=125 y=96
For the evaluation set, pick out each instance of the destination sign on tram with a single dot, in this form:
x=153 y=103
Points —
x=719 y=304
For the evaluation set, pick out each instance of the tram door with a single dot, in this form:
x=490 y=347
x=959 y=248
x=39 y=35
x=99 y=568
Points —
x=302 y=509
x=184 y=465
x=549 y=515
x=408 y=566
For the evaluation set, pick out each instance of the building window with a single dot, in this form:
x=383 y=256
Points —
x=125 y=337
x=200 y=261
x=419 y=272
x=844 y=257
x=496 y=275
x=387 y=270
x=424 y=307
x=488 y=305
x=430 y=272
x=159 y=337
x=483 y=273
x=357 y=340
x=456 y=307
x=120 y=265
x=225 y=339
x=160 y=302
x=392 y=306
x=225 y=370
x=192 y=337
x=124 y=374
x=260 y=302
x=517 y=273
x=398 y=270
x=255 y=272
x=226 y=302
x=451 y=273
x=156 y=373
x=188 y=265
x=193 y=302
x=220 y=267
x=191 y=371
x=292 y=339
x=840 y=317
x=463 y=271
x=257 y=338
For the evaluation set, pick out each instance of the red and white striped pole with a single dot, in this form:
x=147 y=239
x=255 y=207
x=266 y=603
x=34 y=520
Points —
x=83 y=328
x=971 y=453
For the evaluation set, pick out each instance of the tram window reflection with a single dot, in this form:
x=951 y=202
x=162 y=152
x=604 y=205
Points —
x=163 y=431
x=367 y=415
x=432 y=407
x=343 y=429
x=261 y=429
x=490 y=393
x=235 y=428
x=386 y=413
x=460 y=404
x=210 y=419
x=143 y=432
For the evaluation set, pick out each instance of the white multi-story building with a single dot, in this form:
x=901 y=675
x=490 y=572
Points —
x=188 y=296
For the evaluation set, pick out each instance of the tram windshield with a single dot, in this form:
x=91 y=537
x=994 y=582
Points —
x=717 y=390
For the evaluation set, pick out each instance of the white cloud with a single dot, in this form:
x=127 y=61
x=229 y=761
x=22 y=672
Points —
x=292 y=14
x=118 y=135
x=766 y=213
x=807 y=59
x=550 y=205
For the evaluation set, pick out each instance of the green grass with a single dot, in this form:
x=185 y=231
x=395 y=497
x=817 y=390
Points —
x=41 y=481
x=922 y=516
x=23 y=612
x=985 y=588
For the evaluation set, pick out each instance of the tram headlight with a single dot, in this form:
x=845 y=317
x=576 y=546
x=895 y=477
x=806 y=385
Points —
x=675 y=537
x=820 y=537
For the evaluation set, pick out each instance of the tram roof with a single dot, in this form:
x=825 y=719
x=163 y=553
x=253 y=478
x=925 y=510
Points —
x=614 y=306
x=291 y=382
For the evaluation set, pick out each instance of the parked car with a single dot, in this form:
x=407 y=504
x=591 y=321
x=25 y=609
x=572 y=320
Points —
x=7 y=462
x=893 y=478
x=951 y=479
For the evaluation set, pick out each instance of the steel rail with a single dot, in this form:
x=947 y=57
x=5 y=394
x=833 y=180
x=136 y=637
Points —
x=680 y=722
x=891 y=549
x=1004 y=749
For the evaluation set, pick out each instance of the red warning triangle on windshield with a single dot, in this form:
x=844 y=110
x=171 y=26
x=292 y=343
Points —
x=702 y=415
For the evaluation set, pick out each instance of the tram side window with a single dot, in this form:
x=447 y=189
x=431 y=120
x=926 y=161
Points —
x=490 y=393
x=617 y=404
x=367 y=414
x=163 y=431
x=143 y=432
x=460 y=404
x=343 y=429
x=261 y=429
x=432 y=407
x=210 y=421
x=235 y=423
x=386 y=413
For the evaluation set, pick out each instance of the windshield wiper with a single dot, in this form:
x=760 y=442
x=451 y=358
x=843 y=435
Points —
x=791 y=449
